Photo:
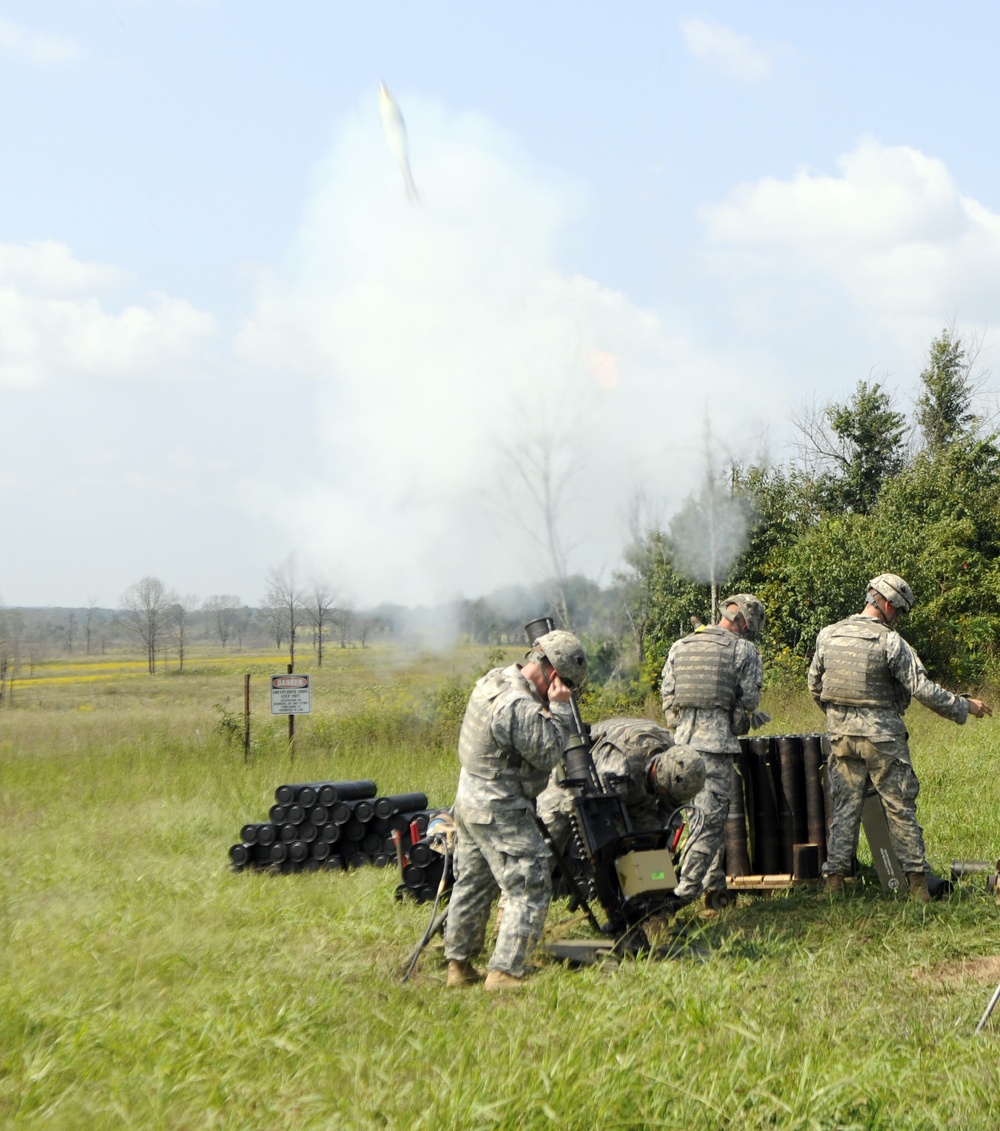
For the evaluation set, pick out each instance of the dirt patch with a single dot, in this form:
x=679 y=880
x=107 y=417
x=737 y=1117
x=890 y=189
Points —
x=960 y=971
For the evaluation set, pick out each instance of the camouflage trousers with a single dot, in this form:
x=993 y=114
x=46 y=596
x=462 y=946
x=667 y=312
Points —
x=701 y=866
x=506 y=855
x=852 y=762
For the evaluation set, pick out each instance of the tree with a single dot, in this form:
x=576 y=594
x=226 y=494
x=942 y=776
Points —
x=145 y=605
x=179 y=616
x=283 y=605
x=319 y=610
x=852 y=449
x=221 y=612
x=542 y=467
x=88 y=624
x=944 y=406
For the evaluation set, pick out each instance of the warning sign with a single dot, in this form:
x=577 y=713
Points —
x=290 y=695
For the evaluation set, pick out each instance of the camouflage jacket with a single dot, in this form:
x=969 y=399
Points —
x=510 y=740
x=710 y=728
x=907 y=671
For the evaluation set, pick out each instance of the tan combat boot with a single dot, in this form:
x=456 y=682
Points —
x=461 y=972
x=833 y=883
x=501 y=980
x=918 y=886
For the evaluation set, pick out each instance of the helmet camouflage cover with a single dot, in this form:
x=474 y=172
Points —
x=894 y=589
x=678 y=773
x=566 y=654
x=752 y=610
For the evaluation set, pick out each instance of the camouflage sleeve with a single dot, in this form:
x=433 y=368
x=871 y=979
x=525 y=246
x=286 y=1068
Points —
x=538 y=736
x=816 y=669
x=668 y=686
x=908 y=670
x=750 y=673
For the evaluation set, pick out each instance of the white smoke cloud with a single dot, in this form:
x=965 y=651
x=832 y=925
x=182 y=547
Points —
x=442 y=336
x=725 y=51
x=53 y=325
x=891 y=236
x=36 y=47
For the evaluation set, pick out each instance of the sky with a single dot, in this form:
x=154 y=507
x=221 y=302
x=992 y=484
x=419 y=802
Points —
x=643 y=238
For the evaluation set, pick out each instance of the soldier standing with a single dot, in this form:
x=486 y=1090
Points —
x=711 y=689
x=514 y=732
x=637 y=759
x=863 y=674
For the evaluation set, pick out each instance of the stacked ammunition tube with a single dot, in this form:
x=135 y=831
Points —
x=330 y=825
x=779 y=809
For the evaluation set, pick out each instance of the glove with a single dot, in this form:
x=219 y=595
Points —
x=759 y=719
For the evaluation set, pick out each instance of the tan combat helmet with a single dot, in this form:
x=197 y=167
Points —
x=894 y=589
x=677 y=773
x=566 y=654
x=752 y=610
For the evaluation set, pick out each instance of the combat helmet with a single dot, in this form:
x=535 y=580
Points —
x=677 y=773
x=894 y=589
x=565 y=653
x=752 y=610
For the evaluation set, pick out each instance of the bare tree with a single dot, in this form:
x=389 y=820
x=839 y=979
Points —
x=145 y=612
x=221 y=612
x=179 y=620
x=88 y=624
x=542 y=467
x=283 y=605
x=319 y=610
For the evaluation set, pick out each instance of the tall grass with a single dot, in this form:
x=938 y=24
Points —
x=145 y=985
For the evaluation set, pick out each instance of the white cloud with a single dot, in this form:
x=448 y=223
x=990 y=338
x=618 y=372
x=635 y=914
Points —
x=53 y=326
x=725 y=51
x=440 y=335
x=37 y=47
x=892 y=235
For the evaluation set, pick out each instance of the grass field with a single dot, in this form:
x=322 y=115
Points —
x=146 y=985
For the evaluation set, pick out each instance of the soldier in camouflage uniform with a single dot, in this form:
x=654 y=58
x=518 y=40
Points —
x=638 y=760
x=514 y=732
x=863 y=675
x=711 y=690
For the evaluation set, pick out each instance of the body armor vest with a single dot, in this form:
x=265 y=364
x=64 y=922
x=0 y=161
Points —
x=855 y=670
x=705 y=669
x=478 y=751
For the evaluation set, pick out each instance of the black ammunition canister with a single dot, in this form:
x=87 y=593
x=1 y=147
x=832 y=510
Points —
x=298 y=851
x=398 y=803
x=812 y=757
x=329 y=833
x=307 y=832
x=334 y=863
x=371 y=843
x=806 y=862
x=737 y=854
x=414 y=875
x=792 y=798
x=353 y=831
x=359 y=860
x=766 y=847
x=363 y=811
x=277 y=853
x=333 y=791
x=421 y=853
x=250 y=833
x=239 y=855
x=276 y=814
x=311 y=864
x=318 y=815
x=319 y=850
x=295 y=814
x=289 y=833
x=381 y=859
x=306 y=795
